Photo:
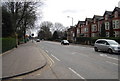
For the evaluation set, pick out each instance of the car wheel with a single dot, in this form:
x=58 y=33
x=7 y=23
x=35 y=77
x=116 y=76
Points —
x=110 y=51
x=96 y=49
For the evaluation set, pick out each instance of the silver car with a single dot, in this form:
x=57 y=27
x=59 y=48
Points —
x=110 y=46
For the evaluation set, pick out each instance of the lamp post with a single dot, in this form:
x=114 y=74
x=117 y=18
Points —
x=73 y=34
x=72 y=19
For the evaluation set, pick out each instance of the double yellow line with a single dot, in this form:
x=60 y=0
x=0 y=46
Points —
x=47 y=56
x=44 y=53
x=50 y=60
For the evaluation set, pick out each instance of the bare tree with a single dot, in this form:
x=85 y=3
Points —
x=23 y=15
x=57 y=27
x=45 y=32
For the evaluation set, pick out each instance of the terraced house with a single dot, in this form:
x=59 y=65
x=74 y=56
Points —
x=116 y=22
x=109 y=24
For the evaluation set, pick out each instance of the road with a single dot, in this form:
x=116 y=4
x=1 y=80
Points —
x=75 y=62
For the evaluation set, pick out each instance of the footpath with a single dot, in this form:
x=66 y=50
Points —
x=25 y=59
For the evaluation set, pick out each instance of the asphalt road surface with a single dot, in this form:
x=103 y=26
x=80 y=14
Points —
x=75 y=62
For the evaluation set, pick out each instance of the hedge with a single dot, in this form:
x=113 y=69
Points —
x=91 y=40
x=8 y=43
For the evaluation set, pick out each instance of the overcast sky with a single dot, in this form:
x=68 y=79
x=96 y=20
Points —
x=58 y=10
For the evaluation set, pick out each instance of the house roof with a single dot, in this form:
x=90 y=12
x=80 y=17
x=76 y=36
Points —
x=116 y=9
x=81 y=22
x=97 y=17
x=108 y=13
x=88 y=19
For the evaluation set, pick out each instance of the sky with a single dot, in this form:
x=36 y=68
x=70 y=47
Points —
x=58 y=10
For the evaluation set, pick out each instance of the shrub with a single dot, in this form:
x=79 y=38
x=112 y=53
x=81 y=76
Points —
x=83 y=40
x=8 y=43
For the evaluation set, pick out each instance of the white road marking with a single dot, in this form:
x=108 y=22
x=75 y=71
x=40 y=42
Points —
x=103 y=55
x=112 y=58
x=76 y=73
x=84 y=47
x=112 y=63
x=74 y=53
x=55 y=57
x=84 y=55
x=47 y=51
x=38 y=74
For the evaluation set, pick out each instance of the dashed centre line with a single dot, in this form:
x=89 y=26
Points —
x=103 y=55
x=112 y=63
x=47 y=51
x=55 y=57
x=112 y=58
x=76 y=73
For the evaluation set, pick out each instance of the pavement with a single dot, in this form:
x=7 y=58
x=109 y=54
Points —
x=25 y=59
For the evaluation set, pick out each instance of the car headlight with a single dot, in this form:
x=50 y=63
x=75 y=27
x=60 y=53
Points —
x=115 y=48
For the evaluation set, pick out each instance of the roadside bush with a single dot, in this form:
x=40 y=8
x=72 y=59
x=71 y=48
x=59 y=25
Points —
x=83 y=40
x=8 y=43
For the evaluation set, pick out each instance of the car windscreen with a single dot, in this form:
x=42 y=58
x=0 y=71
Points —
x=65 y=41
x=111 y=42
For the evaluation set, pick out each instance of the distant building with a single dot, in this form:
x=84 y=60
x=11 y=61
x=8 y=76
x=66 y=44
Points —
x=107 y=21
x=71 y=34
x=116 y=21
x=79 y=26
x=93 y=27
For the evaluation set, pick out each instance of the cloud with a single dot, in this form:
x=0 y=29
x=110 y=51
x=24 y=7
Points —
x=69 y=11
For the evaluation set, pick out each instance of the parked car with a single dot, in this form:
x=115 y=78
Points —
x=37 y=40
x=111 y=46
x=64 y=42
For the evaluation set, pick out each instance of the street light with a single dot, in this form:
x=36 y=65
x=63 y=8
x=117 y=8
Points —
x=72 y=19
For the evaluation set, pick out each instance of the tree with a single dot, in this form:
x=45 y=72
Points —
x=57 y=27
x=23 y=16
x=45 y=30
x=55 y=35
x=103 y=32
x=7 y=29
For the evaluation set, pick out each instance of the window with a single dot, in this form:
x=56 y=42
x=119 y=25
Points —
x=86 y=29
x=113 y=23
x=107 y=25
x=94 y=28
x=101 y=42
x=117 y=24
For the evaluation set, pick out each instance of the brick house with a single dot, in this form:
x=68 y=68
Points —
x=116 y=22
x=94 y=25
x=71 y=33
x=107 y=22
x=79 y=25
x=86 y=28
